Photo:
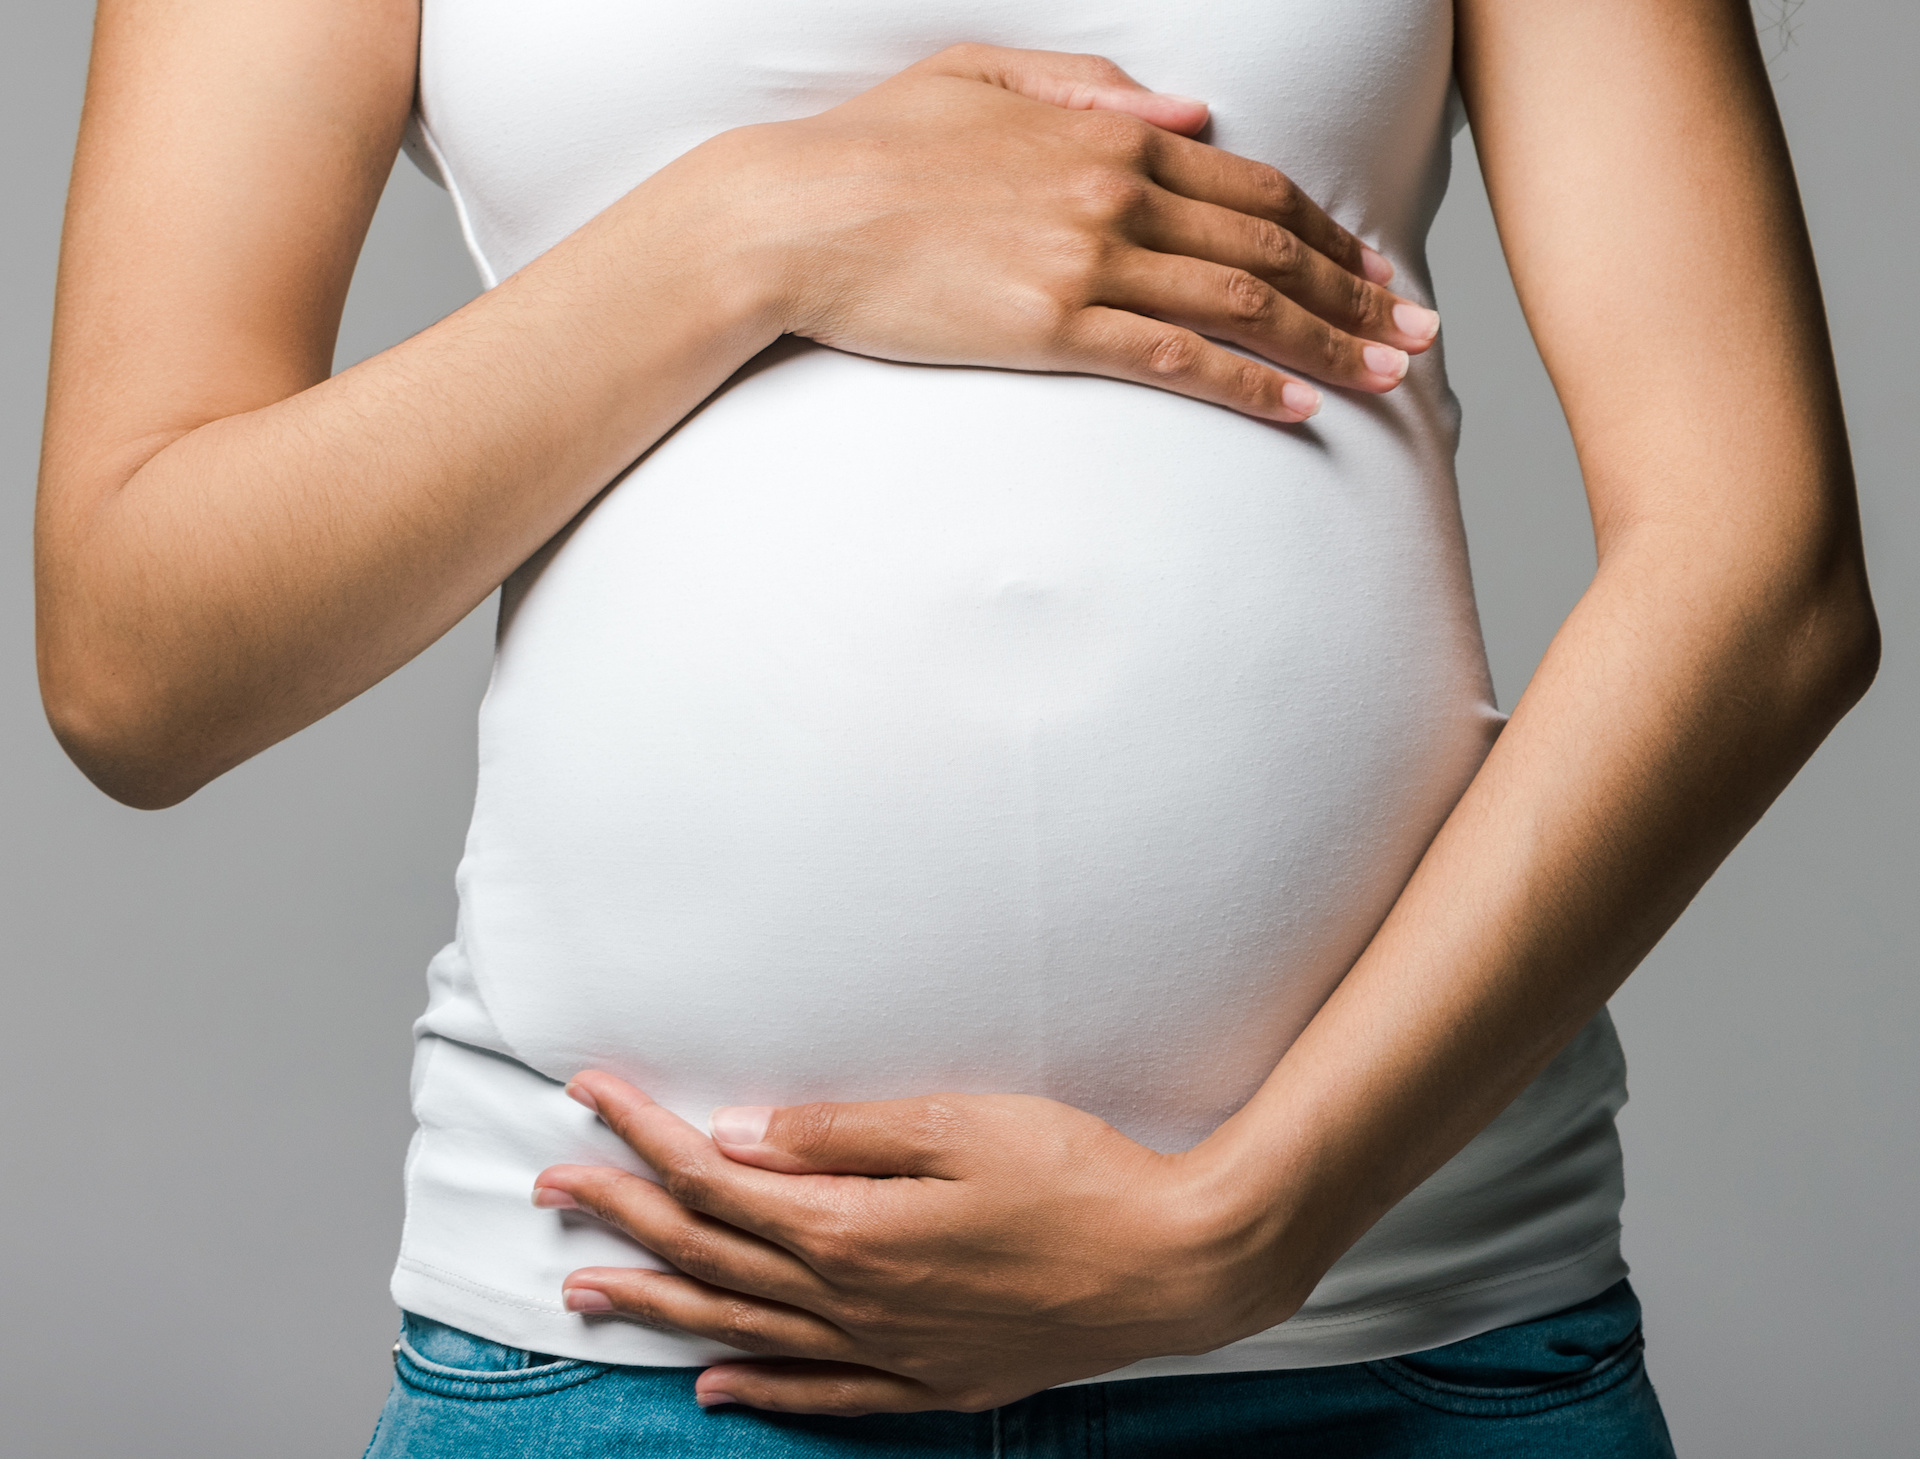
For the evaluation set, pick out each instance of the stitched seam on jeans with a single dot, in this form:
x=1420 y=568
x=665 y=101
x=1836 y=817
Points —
x=476 y=1390
x=492 y=1385
x=1617 y=1370
x=1442 y=1294
x=489 y=1375
x=1634 y=1341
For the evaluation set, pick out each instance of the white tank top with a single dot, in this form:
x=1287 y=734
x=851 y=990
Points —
x=894 y=729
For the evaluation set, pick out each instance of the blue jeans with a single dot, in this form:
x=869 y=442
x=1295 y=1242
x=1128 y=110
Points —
x=1570 y=1384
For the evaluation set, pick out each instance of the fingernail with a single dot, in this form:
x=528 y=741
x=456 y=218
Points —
x=1385 y=360
x=549 y=1199
x=1375 y=266
x=1422 y=324
x=1302 y=400
x=713 y=1400
x=585 y=1299
x=744 y=1124
x=579 y=1095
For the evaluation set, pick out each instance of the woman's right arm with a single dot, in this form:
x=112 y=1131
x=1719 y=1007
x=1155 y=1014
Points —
x=231 y=544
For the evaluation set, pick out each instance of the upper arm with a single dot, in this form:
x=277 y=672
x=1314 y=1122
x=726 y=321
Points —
x=1645 y=199
x=230 y=158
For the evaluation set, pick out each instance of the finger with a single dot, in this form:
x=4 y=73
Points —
x=843 y=1389
x=1209 y=175
x=1127 y=346
x=1077 y=83
x=662 y=1299
x=701 y=1247
x=1178 y=225
x=916 y=1137
x=694 y=1171
x=1231 y=304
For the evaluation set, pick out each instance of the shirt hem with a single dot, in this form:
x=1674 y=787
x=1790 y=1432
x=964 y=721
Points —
x=1422 y=1320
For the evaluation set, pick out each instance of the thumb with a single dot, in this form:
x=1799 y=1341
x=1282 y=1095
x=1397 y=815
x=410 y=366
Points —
x=1076 y=83
x=885 y=1137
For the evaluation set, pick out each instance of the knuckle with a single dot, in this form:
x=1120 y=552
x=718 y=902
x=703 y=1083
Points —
x=1359 y=300
x=1172 y=355
x=1279 y=198
x=1246 y=301
x=742 y=1326
x=639 y=1299
x=1367 y=302
x=696 y=1252
x=1329 y=347
x=921 y=1367
x=963 y=54
x=1254 y=384
x=684 y=1179
x=836 y=1258
x=1282 y=252
x=1112 y=194
x=842 y=1398
x=1076 y=265
x=807 y=1129
x=1100 y=69
x=873 y=1320
x=936 y=1122
x=827 y=1245
x=1057 y=321
x=845 y=1251
x=1120 y=134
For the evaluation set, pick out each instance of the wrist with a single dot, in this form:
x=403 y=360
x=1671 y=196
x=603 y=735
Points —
x=1233 y=1225
x=735 y=194
x=682 y=251
x=1276 y=1196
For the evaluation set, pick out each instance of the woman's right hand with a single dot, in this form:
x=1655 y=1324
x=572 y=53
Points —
x=1042 y=211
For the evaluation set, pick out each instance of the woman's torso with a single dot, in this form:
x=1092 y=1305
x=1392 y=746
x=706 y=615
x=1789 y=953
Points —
x=893 y=728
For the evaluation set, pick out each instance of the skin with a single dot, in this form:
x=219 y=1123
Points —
x=1647 y=207
x=231 y=545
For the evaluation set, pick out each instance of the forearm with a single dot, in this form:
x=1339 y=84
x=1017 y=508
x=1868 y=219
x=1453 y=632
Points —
x=1648 y=212
x=1647 y=207
x=230 y=544
x=258 y=570
x=1672 y=707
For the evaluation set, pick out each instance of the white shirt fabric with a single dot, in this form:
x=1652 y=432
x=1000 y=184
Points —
x=892 y=729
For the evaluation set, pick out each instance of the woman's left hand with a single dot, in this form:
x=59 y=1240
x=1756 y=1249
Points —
x=948 y=1252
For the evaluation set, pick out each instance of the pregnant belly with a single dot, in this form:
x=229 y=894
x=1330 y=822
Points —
x=894 y=729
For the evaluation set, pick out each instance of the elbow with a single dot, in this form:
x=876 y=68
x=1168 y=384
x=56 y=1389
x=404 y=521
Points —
x=1836 y=653
x=1860 y=661
x=120 y=736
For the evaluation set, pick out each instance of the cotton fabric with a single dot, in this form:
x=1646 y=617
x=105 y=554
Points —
x=895 y=729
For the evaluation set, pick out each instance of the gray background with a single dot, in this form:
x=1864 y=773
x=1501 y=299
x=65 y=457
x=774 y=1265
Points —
x=206 y=1010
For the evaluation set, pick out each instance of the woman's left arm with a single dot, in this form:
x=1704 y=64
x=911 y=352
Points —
x=1645 y=199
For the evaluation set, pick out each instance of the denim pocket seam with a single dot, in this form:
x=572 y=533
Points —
x=1456 y=1398
x=473 y=1383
